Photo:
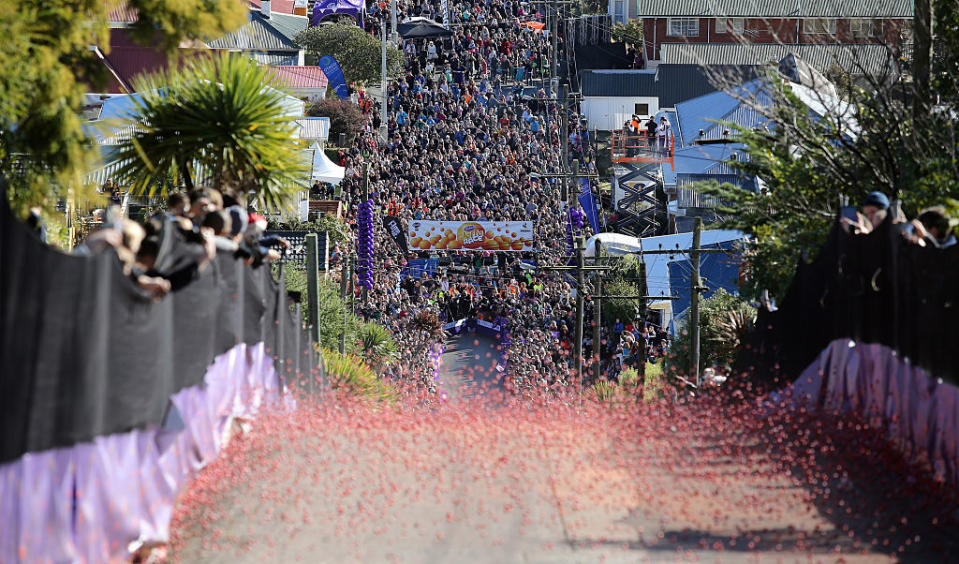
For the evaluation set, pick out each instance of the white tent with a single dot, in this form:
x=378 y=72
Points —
x=324 y=169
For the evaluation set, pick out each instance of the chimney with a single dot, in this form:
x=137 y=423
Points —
x=265 y=8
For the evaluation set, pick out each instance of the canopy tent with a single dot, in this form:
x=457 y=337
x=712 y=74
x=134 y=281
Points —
x=416 y=28
x=323 y=168
x=325 y=8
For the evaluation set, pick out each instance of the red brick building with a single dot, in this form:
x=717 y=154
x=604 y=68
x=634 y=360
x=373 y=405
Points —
x=791 y=22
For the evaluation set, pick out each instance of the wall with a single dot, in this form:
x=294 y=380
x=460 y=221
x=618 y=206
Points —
x=765 y=30
x=607 y=113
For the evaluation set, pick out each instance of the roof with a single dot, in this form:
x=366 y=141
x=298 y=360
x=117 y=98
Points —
x=705 y=113
x=275 y=33
x=678 y=83
x=277 y=6
x=777 y=8
x=670 y=83
x=618 y=83
x=299 y=77
x=314 y=128
x=122 y=15
x=701 y=159
x=872 y=58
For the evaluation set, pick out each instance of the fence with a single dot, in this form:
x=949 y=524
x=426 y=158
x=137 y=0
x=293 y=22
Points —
x=111 y=401
x=869 y=326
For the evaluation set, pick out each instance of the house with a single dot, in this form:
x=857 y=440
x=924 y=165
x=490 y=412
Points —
x=871 y=59
x=306 y=82
x=792 y=22
x=268 y=37
x=610 y=97
x=668 y=275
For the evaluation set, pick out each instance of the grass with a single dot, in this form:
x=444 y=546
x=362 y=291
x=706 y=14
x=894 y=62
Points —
x=653 y=381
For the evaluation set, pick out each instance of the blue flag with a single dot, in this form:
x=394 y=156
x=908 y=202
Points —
x=334 y=74
x=588 y=203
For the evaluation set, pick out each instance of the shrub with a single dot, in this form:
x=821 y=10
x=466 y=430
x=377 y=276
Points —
x=349 y=373
x=345 y=117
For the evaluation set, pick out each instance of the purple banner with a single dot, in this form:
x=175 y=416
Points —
x=86 y=503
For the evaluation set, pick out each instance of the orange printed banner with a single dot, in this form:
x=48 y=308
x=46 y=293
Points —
x=471 y=235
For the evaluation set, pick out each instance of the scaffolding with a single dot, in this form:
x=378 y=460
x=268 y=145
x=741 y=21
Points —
x=629 y=148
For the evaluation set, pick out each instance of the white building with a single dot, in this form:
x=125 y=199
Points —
x=611 y=97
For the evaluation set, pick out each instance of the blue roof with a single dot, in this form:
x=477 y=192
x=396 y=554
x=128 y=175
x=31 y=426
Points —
x=658 y=267
x=701 y=159
x=707 y=111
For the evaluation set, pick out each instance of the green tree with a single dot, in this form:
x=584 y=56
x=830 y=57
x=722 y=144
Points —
x=357 y=52
x=871 y=140
x=217 y=112
x=375 y=345
x=724 y=319
x=47 y=67
x=345 y=117
x=631 y=32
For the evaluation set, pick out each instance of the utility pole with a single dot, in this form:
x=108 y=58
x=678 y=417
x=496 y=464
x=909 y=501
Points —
x=597 y=314
x=393 y=22
x=384 y=124
x=312 y=286
x=694 y=302
x=580 y=290
x=346 y=271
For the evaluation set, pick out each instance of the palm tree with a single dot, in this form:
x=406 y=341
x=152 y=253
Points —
x=376 y=345
x=218 y=119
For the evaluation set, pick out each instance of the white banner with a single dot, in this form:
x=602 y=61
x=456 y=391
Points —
x=470 y=235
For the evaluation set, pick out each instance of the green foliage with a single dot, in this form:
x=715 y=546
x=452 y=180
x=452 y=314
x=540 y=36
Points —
x=349 y=373
x=376 y=345
x=164 y=23
x=332 y=319
x=628 y=377
x=873 y=142
x=357 y=52
x=631 y=32
x=47 y=67
x=335 y=228
x=215 y=111
x=345 y=117
x=622 y=280
x=714 y=334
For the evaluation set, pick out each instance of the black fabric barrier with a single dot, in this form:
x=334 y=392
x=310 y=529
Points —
x=84 y=352
x=874 y=288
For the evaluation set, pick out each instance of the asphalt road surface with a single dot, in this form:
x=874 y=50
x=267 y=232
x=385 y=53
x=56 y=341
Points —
x=495 y=484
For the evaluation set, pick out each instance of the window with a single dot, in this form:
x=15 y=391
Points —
x=641 y=109
x=730 y=25
x=819 y=26
x=861 y=27
x=683 y=27
x=619 y=10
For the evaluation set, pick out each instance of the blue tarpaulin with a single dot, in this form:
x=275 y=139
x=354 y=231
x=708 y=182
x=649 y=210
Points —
x=588 y=203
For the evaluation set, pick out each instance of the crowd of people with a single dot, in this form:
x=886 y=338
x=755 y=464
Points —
x=473 y=136
x=199 y=224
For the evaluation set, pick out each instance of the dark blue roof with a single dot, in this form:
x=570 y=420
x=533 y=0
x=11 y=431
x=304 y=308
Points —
x=618 y=83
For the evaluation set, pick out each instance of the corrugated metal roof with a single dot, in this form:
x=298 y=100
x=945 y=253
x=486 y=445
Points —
x=314 y=128
x=705 y=113
x=778 y=8
x=689 y=197
x=874 y=59
x=678 y=83
x=618 y=83
x=299 y=77
x=275 y=33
